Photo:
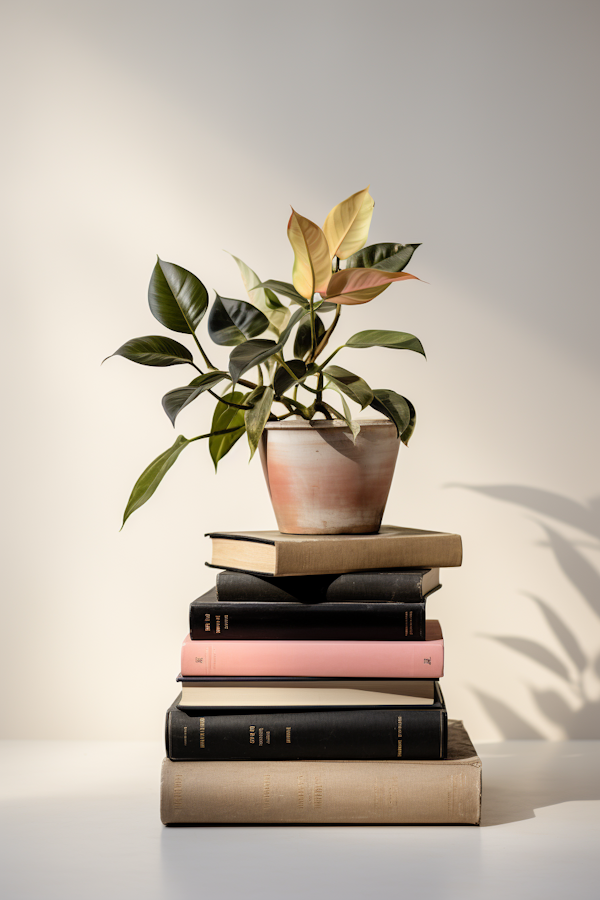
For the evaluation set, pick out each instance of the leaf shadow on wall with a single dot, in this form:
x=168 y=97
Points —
x=579 y=718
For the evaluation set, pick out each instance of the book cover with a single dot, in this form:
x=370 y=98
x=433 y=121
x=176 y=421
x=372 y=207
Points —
x=376 y=585
x=358 y=659
x=244 y=620
x=399 y=732
x=321 y=792
x=274 y=553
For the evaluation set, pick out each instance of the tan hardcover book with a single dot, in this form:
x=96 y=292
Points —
x=274 y=553
x=364 y=792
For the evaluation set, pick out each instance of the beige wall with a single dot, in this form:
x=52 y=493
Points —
x=188 y=128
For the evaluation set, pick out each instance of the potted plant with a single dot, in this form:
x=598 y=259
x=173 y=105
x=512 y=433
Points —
x=323 y=467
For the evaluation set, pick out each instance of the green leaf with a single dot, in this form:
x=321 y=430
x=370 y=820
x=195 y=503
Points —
x=350 y=384
x=285 y=289
x=226 y=417
x=245 y=356
x=396 y=340
x=283 y=380
x=177 y=298
x=263 y=299
x=409 y=431
x=388 y=257
x=154 y=350
x=151 y=477
x=303 y=341
x=393 y=406
x=288 y=290
x=176 y=400
x=256 y=418
x=346 y=416
x=232 y=322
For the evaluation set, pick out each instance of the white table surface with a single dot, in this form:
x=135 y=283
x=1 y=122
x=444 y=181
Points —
x=80 y=820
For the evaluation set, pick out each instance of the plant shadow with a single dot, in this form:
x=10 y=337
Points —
x=512 y=792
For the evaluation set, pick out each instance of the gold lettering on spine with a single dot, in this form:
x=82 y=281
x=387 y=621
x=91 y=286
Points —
x=288 y=735
x=410 y=622
x=207 y=621
x=399 y=736
x=318 y=794
x=202 y=722
x=178 y=792
x=185 y=735
x=301 y=791
x=253 y=734
x=218 y=624
x=261 y=734
x=267 y=790
x=226 y=623
x=268 y=737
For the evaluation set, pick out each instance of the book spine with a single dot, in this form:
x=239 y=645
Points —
x=357 y=554
x=337 y=659
x=320 y=792
x=394 y=733
x=356 y=587
x=307 y=621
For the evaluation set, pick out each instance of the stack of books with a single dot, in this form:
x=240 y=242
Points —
x=310 y=687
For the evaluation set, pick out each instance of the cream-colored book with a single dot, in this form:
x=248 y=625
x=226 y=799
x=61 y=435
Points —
x=274 y=553
x=238 y=792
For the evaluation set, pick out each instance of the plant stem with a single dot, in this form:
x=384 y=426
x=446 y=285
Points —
x=204 y=356
x=228 y=402
x=289 y=404
x=329 y=358
x=313 y=327
x=215 y=433
x=260 y=376
x=282 y=362
x=325 y=339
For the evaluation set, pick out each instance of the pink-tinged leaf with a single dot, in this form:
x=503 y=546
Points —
x=347 y=225
x=312 y=264
x=352 y=286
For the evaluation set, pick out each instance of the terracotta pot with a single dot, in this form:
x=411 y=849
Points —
x=320 y=482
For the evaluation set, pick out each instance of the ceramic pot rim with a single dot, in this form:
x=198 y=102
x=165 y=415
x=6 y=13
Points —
x=325 y=424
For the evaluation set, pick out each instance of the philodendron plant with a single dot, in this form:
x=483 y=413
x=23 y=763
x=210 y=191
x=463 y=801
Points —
x=278 y=375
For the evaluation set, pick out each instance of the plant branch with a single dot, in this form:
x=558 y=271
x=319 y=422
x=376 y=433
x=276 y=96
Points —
x=329 y=358
x=294 y=408
x=227 y=402
x=283 y=363
x=204 y=356
x=313 y=327
x=215 y=433
x=325 y=339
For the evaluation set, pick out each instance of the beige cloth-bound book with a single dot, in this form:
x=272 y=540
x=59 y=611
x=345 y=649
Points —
x=238 y=792
x=274 y=553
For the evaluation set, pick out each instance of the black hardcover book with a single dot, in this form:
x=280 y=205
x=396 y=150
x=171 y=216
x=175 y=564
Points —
x=244 y=620
x=375 y=585
x=401 y=732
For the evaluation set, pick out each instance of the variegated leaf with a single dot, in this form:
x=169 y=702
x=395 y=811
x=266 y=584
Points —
x=312 y=264
x=347 y=225
x=352 y=286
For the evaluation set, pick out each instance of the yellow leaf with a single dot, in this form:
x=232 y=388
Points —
x=347 y=225
x=312 y=264
x=278 y=315
x=352 y=286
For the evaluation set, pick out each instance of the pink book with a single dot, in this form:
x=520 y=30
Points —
x=337 y=659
